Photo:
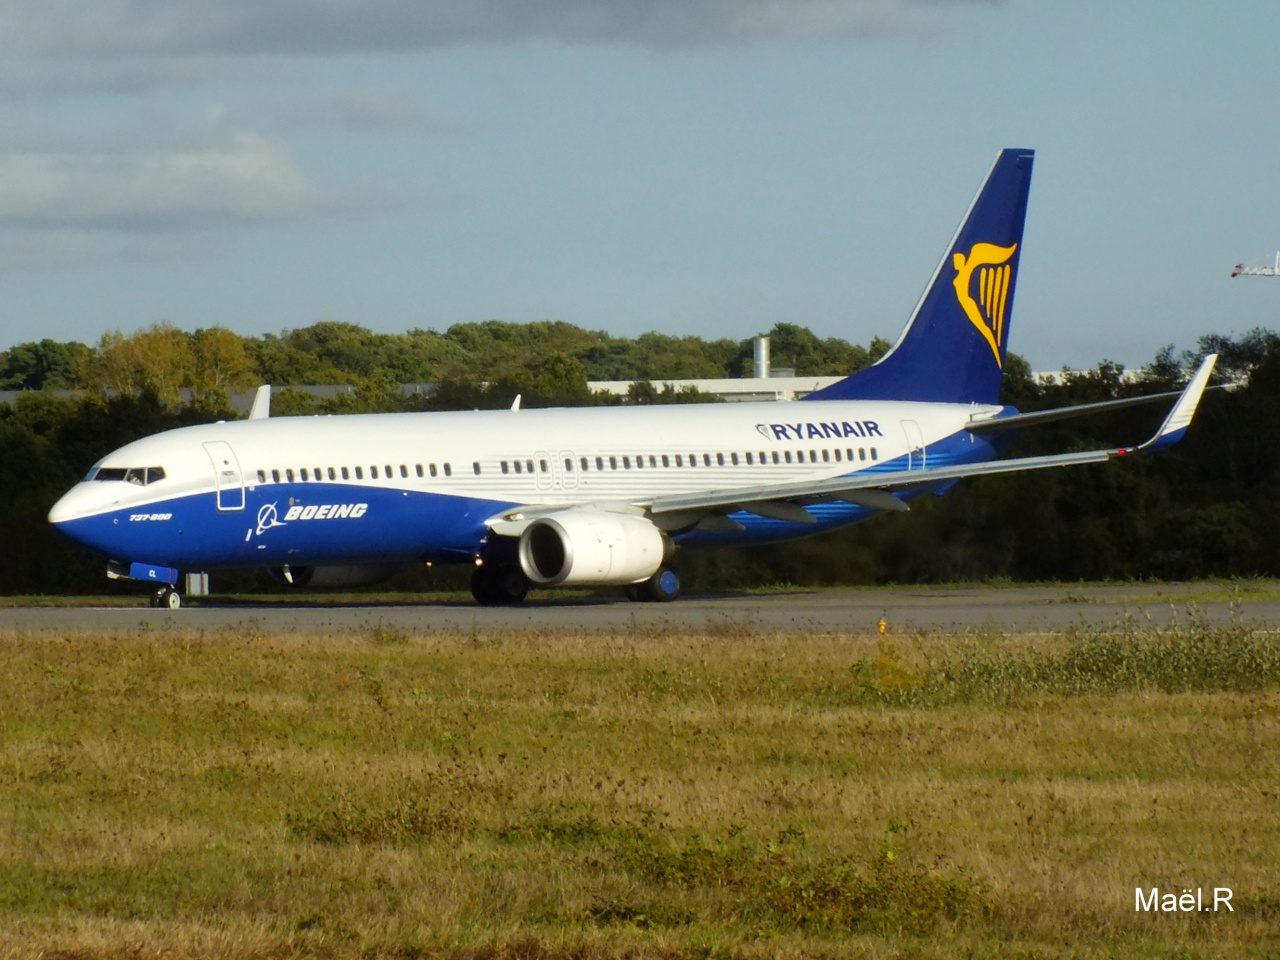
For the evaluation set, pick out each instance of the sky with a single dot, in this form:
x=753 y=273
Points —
x=704 y=167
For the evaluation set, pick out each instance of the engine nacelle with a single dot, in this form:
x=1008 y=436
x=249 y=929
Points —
x=354 y=575
x=591 y=547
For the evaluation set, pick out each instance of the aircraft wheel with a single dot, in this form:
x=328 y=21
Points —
x=168 y=598
x=511 y=586
x=505 y=584
x=664 y=585
x=482 y=587
x=635 y=592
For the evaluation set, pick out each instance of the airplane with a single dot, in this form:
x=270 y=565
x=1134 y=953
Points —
x=595 y=496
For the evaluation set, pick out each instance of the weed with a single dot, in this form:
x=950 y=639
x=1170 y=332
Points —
x=346 y=821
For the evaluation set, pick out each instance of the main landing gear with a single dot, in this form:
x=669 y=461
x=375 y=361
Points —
x=663 y=586
x=166 y=598
x=502 y=584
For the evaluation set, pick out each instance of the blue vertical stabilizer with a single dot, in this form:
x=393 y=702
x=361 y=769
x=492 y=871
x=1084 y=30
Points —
x=954 y=346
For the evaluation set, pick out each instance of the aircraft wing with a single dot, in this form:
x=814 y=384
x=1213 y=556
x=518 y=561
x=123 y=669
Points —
x=876 y=490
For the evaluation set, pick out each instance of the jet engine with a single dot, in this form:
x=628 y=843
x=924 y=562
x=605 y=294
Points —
x=591 y=547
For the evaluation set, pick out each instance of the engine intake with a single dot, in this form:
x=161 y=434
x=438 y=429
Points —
x=591 y=547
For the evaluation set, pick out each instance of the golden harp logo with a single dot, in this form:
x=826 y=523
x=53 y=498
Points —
x=986 y=312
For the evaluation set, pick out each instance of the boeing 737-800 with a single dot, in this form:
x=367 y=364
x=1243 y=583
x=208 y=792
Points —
x=595 y=496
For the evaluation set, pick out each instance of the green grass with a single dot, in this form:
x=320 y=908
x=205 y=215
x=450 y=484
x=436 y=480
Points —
x=389 y=794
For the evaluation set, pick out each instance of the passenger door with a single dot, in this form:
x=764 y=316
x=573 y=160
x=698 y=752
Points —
x=226 y=474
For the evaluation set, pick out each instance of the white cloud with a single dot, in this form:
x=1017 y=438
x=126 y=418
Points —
x=358 y=111
x=113 y=29
x=63 y=204
x=249 y=179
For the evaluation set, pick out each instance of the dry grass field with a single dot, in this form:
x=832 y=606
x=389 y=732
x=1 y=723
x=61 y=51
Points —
x=727 y=794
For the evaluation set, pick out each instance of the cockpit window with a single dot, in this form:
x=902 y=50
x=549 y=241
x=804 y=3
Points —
x=139 y=475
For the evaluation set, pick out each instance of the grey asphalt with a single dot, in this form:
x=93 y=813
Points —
x=1027 y=609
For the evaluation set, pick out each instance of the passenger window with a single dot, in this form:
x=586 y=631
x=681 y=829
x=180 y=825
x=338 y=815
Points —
x=613 y=463
x=433 y=469
x=665 y=461
x=583 y=463
x=788 y=456
x=529 y=464
x=317 y=474
x=333 y=474
x=519 y=467
x=862 y=453
x=373 y=473
x=303 y=473
x=874 y=454
x=599 y=463
x=706 y=459
x=289 y=474
x=475 y=467
x=359 y=473
x=389 y=473
x=826 y=456
x=679 y=460
x=262 y=476
x=626 y=463
x=568 y=465
x=750 y=458
x=640 y=463
x=275 y=476
x=720 y=459
x=346 y=474
x=505 y=467
x=418 y=469
x=734 y=458
x=837 y=456
x=448 y=470
x=542 y=466
x=404 y=471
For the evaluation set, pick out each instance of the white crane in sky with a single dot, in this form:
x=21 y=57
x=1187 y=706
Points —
x=1240 y=270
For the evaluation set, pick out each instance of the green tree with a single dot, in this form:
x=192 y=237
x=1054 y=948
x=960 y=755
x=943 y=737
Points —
x=157 y=360
x=220 y=363
x=34 y=366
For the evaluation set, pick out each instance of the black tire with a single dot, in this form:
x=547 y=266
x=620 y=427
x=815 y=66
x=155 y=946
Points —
x=511 y=586
x=482 y=587
x=499 y=585
x=636 y=592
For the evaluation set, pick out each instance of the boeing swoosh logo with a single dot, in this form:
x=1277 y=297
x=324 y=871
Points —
x=268 y=518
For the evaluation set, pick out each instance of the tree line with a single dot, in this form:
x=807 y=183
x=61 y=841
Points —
x=1208 y=507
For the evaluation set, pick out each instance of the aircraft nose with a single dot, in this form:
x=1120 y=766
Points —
x=63 y=510
x=78 y=502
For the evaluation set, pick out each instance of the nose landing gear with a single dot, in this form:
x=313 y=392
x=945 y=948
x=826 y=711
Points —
x=166 y=598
